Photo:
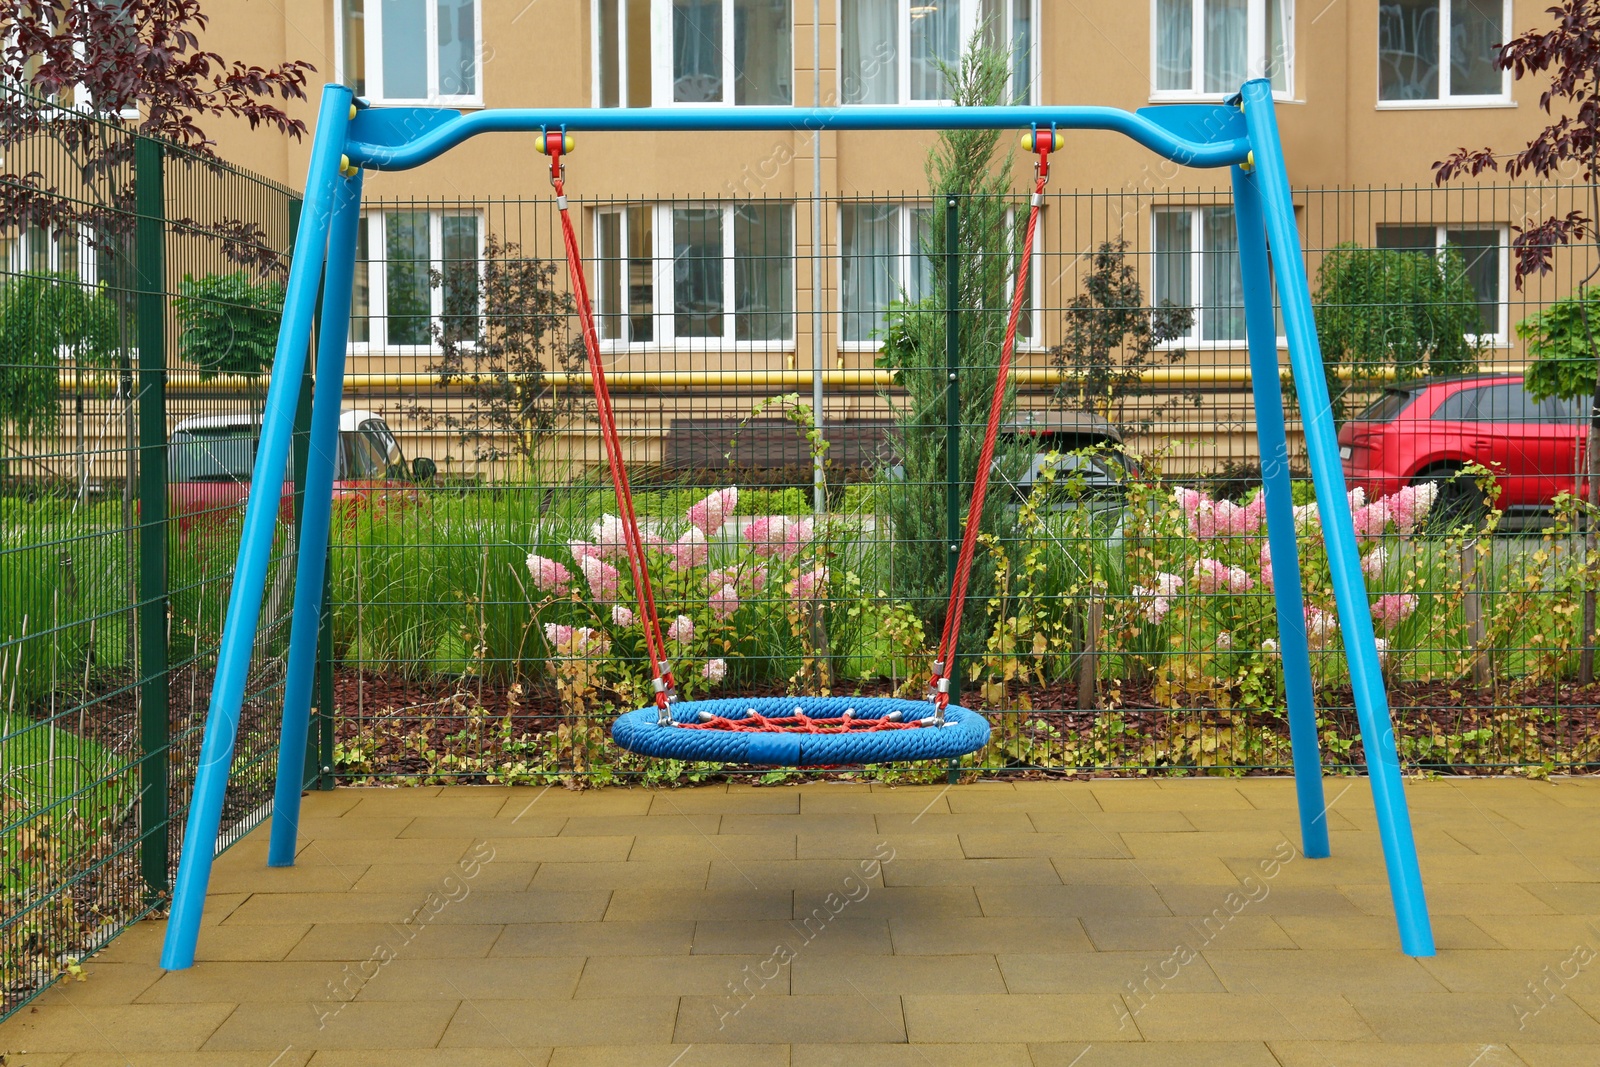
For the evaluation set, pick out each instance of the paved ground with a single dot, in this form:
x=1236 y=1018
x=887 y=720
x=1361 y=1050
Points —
x=1099 y=925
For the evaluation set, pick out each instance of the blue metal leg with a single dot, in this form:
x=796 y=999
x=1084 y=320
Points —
x=255 y=544
x=313 y=549
x=1262 y=334
x=1344 y=561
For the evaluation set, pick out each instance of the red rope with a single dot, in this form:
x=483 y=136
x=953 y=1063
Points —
x=655 y=644
x=798 y=723
x=980 y=484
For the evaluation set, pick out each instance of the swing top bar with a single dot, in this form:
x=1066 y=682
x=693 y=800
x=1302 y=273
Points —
x=399 y=138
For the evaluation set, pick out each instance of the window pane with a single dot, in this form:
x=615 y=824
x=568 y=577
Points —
x=763 y=273
x=458 y=49
x=919 y=276
x=1474 y=31
x=1173 y=280
x=1227 y=44
x=641 y=276
x=610 y=55
x=935 y=45
x=1408 y=50
x=1277 y=66
x=405 y=49
x=361 y=289
x=1458 y=407
x=868 y=236
x=1481 y=251
x=870 y=72
x=406 y=259
x=1221 y=288
x=1408 y=238
x=697 y=271
x=355 y=46
x=762 y=66
x=1022 y=51
x=459 y=234
x=1175 y=44
x=696 y=51
x=638 y=53
x=1499 y=403
x=609 y=299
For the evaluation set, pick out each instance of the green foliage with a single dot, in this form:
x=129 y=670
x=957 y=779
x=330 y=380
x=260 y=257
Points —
x=1561 y=340
x=1381 y=310
x=1110 y=339
x=962 y=163
x=43 y=319
x=229 y=323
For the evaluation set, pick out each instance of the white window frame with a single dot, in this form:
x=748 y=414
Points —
x=1255 y=52
x=377 y=261
x=1197 y=255
x=971 y=13
x=662 y=293
x=1501 y=337
x=1445 y=99
x=661 y=89
x=372 y=43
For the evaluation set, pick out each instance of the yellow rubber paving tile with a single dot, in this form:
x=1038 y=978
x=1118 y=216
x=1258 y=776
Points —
x=932 y=936
x=1030 y=871
x=527 y=802
x=1334 y=870
x=882 y=902
x=1477 y=1017
x=594 y=939
x=1109 y=974
x=677 y=847
x=1085 y=843
x=842 y=935
x=1156 y=1054
x=653 y=905
x=1347 y=972
x=1412 y=1054
x=1110 y=822
x=217 y=942
x=669 y=976
x=408 y=978
x=1504 y=971
x=1233 y=844
x=457 y=803
x=1171 y=1016
x=270 y=1027
x=591 y=849
x=516 y=1023
x=608 y=874
x=816 y=877
x=1557 y=933
x=1476 y=900
x=1553 y=1055
x=429 y=1057
x=896 y=974
x=634 y=825
x=921 y=1055
x=344 y=828
x=963 y=802
x=493 y=875
x=1263 y=894
x=891 y=801
x=106 y=982
x=1202 y=870
x=836 y=824
x=1368 y=931
x=784 y=1019
x=1198 y=932
x=125 y=1029
x=1075 y=900
x=361 y=851
x=823 y=845
x=247 y=878
x=241 y=982
x=1135 y=795
x=439 y=904
x=1026 y=1017
x=287 y=1058
x=329 y=803
x=530 y=825
x=1569 y=898
x=750 y=802
x=361 y=941
x=891 y=825
x=671 y=1056
x=1286 y=822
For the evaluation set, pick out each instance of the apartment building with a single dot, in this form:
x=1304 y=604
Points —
x=758 y=252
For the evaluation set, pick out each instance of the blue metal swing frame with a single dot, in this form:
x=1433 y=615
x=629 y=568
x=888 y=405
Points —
x=1241 y=134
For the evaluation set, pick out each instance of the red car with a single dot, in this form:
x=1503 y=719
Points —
x=1428 y=430
x=210 y=459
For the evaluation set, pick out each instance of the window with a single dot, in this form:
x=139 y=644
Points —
x=1483 y=251
x=1416 y=37
x=395 y=303
x=1197 y=266
x=1211 y=47
x=714 y=272
x=412 y=51
x=705 y=52
x=881 y=260
x=930 y=34
x=1510 y=402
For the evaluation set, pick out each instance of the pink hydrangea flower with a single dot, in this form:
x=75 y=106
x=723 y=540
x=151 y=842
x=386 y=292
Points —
x=725 y=601
x=582 y=550
x=1370 y=519
x=1320 y=626
x=1214 y=576
x=810 y=585
x=1234 y=520
x=1410 y=506
x=1373 y=562
x=1305 y=517
x=622 y=616
x=709 y=514
x=778 y=536
x=609 y=536
x=758 y=577
x=1266 y=564
x=1189 y=501
x=557 y=635
x=1383 y=651
x=1168 y=584
x=548 y=575
x=1392 y=609
x=690 y=550
x=1152 y=604
x=681 y=630
x=796 y=535
x=601 y=576
x=715 y=670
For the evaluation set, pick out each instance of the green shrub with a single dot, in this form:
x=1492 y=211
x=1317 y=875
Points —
x=229 y=323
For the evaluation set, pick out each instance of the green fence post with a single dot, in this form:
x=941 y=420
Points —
x=154 y=724
x=952 y=414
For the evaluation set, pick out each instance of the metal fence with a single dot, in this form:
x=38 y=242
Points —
x=131 y=273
